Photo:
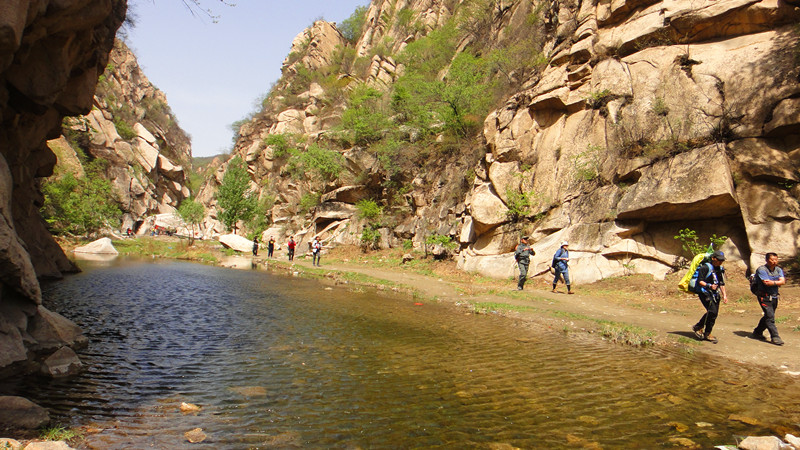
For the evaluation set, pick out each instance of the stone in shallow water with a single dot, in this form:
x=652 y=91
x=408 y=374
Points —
x=189 y=407
x=19 y=412
x=761 y=443
x=63 y=363
x=195 y=436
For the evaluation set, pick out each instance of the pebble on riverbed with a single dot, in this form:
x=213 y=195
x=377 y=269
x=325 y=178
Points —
x=195 y=436
x=189 y=407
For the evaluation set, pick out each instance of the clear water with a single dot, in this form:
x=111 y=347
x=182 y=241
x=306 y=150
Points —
x=281 y=362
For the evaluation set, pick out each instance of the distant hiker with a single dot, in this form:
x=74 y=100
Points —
x=270 y=246
x=255 y=246
x=316 y=249
x=291 y=245
x=710 y=284
x=769 y=278
x=561 y=266
x=522 y=255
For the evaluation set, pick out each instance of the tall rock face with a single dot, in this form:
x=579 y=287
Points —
x=652 y=117
x=51 y=55
x=132 y=129
x=645 y=118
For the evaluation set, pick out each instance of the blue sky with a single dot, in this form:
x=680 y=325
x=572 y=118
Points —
x=214 y=73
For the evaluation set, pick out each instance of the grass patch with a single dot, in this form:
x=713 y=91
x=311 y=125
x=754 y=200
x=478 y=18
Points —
x=627 y=334
x=57 y=433
x=487 y=307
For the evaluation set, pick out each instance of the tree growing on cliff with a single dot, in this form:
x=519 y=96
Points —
x=80 y=205
x=235 y=199
x=192 y=212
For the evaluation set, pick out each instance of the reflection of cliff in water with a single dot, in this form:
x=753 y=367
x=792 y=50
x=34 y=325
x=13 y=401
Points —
x=279 y=359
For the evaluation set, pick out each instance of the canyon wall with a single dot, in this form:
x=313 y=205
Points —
x=648 y=117
x=51 y=55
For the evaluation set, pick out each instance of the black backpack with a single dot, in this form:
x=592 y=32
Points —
x=756 y=284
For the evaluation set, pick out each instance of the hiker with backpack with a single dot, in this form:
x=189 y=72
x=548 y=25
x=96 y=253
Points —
x=710 y=287
x=766 y=282
x=522 y=255
x=561 y=266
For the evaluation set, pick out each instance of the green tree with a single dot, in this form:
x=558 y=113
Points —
x=352 y=26
x=365 y=119
x=80 y=206
x=235 y=200
x=193 y=213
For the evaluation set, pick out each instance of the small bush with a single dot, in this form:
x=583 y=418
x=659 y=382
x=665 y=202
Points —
x=368 y=210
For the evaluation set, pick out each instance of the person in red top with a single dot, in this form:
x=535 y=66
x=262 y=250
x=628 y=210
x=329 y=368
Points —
x=291 y=245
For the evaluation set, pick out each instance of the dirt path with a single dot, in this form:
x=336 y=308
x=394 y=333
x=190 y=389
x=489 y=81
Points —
x=582 y=312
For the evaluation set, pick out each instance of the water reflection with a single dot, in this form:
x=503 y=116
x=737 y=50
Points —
x=282 y=362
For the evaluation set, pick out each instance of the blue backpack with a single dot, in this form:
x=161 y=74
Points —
x=693 y=286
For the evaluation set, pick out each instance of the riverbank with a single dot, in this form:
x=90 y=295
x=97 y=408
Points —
x=632 y=310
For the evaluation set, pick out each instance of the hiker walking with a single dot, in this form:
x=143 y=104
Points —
x=255 y=246
x=291 y=245
x=769 y=277
x=316 y=249
x=709 y=287
x=522 y=255
x=561 y=266
x=270 y=246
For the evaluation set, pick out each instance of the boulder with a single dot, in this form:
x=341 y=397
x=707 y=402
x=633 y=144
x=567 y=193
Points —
x=64 y=362
x=761 y=443
x=486 y=208
x=196 y=435
x=51 y=330
x=19 y=412
x=236 y=242
x=48 y=445
x=10 y=444
x=100 y=246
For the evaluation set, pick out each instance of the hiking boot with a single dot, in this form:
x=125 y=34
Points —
x=777 y=340
x=519 y=288
x=698 y=332
x=554 y=290
x=758 y=336
x=570 y=292
x=711 y=339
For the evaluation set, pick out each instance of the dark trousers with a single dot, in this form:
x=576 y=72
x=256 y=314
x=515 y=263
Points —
x=523 y=273
x=769 y=304
x=291 y=254
x=710 y=301
x=270 y=249
x=315 y=259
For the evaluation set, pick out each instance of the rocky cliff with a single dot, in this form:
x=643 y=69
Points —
x=51 y=55
x=133 y=130
x=642 y=118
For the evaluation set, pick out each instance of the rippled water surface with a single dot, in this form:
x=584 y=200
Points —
x=283 y=362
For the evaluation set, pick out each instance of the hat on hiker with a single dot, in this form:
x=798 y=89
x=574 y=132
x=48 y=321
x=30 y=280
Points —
x=564 y=243
x=524 y=238
x=718 y=255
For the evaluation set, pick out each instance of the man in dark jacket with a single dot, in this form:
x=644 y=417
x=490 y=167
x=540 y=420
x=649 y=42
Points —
x=522 y=255
x=710 y=287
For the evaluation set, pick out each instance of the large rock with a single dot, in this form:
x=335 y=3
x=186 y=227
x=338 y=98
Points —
x=18 y=412
x=63 y=363
x=486 y=208
x=236 y=242
x=682 y=187
x=51 y=330
x=102 y=246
